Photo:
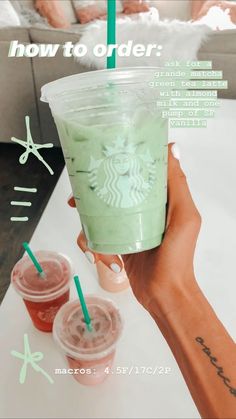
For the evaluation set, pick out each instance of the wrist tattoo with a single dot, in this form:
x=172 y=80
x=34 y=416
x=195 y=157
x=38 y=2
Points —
x=214 y=361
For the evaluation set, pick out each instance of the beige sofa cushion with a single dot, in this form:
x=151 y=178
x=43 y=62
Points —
x=173 y=9
x=18 y=96
x=220 y=48
x=17 y=4
x=68 y=9
x=9 y=34
x=221 y=42
x=54 y=36
x=227 y=63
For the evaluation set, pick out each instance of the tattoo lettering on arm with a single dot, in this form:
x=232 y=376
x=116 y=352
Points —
x=214 y=361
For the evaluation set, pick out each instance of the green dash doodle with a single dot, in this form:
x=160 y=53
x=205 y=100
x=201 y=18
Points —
x=32 y=359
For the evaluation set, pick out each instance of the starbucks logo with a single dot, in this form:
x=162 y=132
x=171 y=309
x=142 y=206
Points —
x=49 y=314
x=123 y=178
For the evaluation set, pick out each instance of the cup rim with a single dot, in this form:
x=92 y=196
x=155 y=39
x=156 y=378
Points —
x=51 y=296
x=95 y=78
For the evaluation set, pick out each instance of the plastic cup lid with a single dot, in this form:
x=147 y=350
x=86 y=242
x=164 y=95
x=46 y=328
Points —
x=71 y=334
x=31 y=286
x=94 y=79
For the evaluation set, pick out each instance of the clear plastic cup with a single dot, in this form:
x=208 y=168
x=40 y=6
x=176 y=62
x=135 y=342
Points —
x=43 y=296
x=114 y=141
x=111 y=281
x=89 y=354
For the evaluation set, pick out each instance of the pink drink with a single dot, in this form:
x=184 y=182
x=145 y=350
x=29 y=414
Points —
x=89 y=354
x=111 y=281
x=43 y=296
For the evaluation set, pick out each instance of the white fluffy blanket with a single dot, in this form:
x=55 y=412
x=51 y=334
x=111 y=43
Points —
x=180 y=40
x=217 y=19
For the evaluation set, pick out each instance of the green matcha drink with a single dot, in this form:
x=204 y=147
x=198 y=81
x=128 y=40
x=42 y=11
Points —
x=115 y=147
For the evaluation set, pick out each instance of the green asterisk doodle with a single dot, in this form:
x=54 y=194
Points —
x=31 y=147
x=32 y=359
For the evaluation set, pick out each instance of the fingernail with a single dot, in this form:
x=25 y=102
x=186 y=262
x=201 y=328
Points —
x=175 y=151
x=115 y=268
x=89 y=256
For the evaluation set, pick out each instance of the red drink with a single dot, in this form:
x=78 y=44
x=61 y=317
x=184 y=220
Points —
x=43 y=296
x=43 y=314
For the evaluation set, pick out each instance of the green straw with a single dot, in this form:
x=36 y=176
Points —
x=83 y=304
x=34 y=260
x=111 y=31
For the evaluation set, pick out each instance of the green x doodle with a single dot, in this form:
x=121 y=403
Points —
x=32 y=359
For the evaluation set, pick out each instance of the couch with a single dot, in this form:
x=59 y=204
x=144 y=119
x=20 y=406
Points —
x=21 y=78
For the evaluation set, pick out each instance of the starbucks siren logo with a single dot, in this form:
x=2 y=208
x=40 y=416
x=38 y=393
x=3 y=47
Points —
x=123 y=178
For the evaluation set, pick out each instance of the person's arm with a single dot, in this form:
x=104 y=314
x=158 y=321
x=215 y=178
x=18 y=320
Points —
x=205 y=352
x=196 y=6
x=200 y=8
x=163 y=281
x=231 y=7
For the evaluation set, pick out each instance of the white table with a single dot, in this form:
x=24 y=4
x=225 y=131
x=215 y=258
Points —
x=208 y=157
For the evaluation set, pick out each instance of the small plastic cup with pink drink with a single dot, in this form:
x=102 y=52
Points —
x=89 y=353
